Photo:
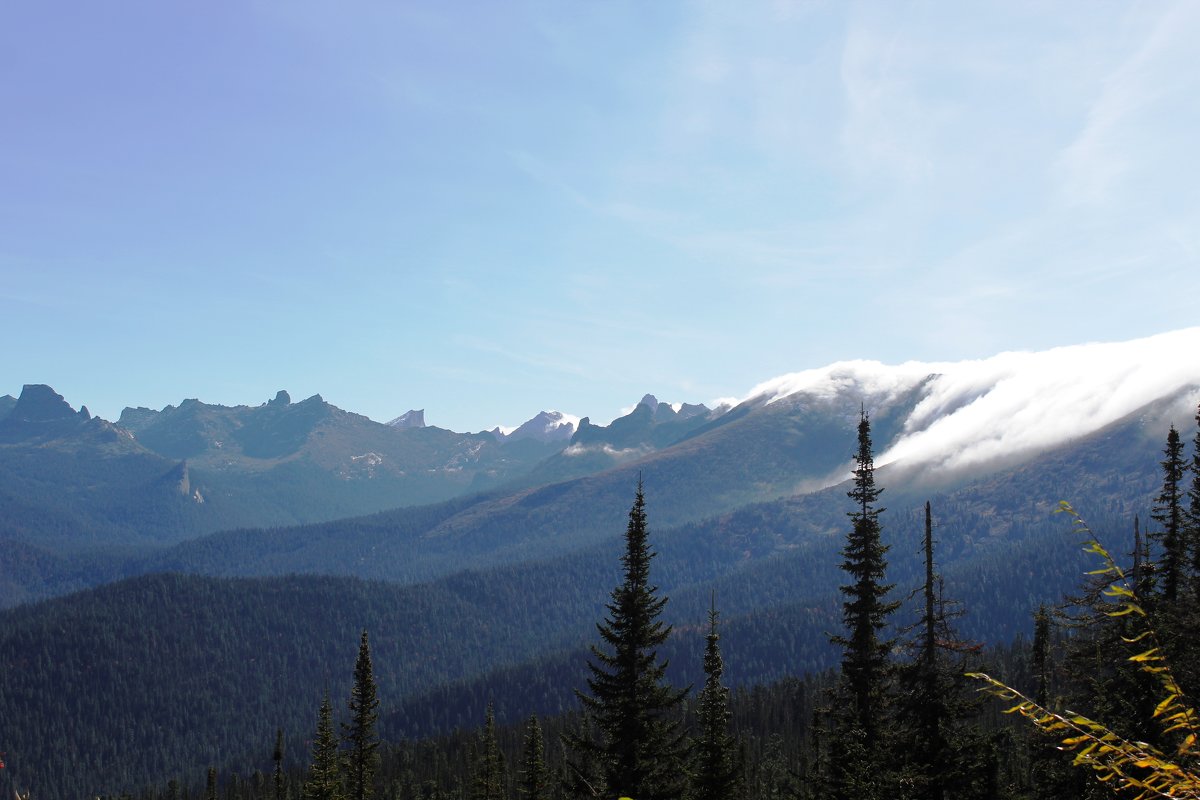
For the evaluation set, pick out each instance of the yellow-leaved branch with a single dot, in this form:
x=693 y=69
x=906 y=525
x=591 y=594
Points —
x=1137 y=767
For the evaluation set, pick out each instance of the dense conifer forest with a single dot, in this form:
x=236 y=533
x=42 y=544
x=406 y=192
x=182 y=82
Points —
x=878 y=705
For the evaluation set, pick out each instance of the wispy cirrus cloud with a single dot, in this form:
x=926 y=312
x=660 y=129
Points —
x=1156 y=77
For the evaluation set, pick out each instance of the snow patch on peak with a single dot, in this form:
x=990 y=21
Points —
x=414 y=418
x=546 y=426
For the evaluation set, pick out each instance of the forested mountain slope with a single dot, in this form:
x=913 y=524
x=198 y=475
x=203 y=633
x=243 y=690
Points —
x=71 y=482
x=168 y=671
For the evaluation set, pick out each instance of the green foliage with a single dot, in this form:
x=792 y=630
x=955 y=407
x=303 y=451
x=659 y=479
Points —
x=535 y=777
x=1193 y=513
x=863 y=705
x=324 y=781
x=1169 y=513
x=716 y=772
x=487 y=768
x=939 y=745
x=359 y=734
x=277 y=757
x=1136 y=767
x=865 y=612
x=640 y=747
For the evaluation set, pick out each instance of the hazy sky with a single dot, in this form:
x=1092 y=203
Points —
x=487 y=209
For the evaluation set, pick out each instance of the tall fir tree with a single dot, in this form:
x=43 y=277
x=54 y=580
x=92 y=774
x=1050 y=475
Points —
x=324 y=781
x=716 y=766
x=1187 y=648
x=487 y=767
x=362 y=756
x=1168 y=513
x=640 y=747
x=277 y=757
x=943 y=749
x=535 y=776
x=1098 y=673
x=1050 y=775
x=857 y=747
x=582 y=775
x=1192 y=517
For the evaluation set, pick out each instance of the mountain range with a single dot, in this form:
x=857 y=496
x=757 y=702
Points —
x=517 y=537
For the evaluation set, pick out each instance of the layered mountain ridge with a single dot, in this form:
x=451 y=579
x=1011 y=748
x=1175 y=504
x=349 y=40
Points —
x=285 y=462
x=517 y=539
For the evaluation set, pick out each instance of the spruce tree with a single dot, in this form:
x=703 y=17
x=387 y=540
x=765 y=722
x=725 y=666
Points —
x=944 y=748
x=324 y=781
x=1188 y=644
x=640 y=746
x=487 y=768
x=716 y=768
x=362 y=757
x=1168 y=512
x=857 y=757
x=1193 y=516
x=1050 y=775
x=927 y=701
x=277 y=757
x=535 y=777
x=581 y=774
x=1100 y=677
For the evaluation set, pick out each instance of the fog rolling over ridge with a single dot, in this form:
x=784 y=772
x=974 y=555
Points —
x=1012 y=405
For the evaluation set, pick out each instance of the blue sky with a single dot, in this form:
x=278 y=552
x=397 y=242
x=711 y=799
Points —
x=487 y=209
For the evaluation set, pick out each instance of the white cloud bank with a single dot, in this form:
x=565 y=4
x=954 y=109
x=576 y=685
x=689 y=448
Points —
x=1012 y=404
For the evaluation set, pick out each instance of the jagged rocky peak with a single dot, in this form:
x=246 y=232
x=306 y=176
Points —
x=663 y=412
x=179 y=478
x=39 y=403
x=7 y=403
x=414 y=418
x=135 y=419
x=282 y=398
x=546 y=426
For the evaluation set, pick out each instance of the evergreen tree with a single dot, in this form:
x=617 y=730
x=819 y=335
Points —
x=856 y=740
x=1187 y=650
x=535 y=777
x=716 y=768
x=359 y=734
x=1050 y=775
x=581 y=772
x=927 y=701
x=1101 y=680
x=1041 y=656
x=1168 y=512
x=324 y=776
x=210 y=784
x=487 y=768
x=945 y=750
x=277 y=757
x=1193 y=516
x=640 y=748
